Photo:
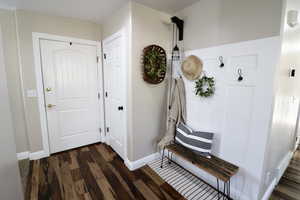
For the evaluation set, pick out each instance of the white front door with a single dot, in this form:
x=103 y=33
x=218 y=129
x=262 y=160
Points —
x=115 y=83
x=70 y=78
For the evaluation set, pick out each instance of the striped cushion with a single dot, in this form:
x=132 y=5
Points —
x=199 y=142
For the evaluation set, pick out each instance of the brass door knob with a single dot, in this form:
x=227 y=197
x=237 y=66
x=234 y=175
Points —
x=50 y=105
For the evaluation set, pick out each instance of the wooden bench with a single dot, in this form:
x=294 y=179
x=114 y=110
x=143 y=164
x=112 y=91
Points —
x=215 y=166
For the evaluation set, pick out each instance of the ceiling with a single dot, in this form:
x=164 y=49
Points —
x=93 y=10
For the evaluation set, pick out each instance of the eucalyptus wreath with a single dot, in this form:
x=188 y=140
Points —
x=205 y=86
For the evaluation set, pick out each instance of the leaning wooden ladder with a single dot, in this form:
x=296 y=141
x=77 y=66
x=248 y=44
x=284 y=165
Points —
x=220 y=169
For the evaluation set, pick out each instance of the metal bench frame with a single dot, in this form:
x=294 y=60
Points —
x=226 y=188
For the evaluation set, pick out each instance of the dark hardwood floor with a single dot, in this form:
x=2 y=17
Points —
x=93 y=172
x=289 y=185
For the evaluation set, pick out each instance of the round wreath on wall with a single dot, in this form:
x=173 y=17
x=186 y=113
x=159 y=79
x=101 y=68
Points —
x=154 y=64
x=205 y=86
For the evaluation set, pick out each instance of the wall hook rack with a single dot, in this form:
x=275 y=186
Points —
x=240 y=73
x=221 y=61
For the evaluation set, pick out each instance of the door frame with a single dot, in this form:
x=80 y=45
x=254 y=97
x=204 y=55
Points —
x=124 y=62
x=36 y=37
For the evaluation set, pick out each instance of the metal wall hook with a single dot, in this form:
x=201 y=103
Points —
x=240 y=73
x=221 y=61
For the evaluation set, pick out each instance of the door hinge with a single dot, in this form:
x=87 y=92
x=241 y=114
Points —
x=106 y=94
x=97 y=59
x=98 y=95
x=104 y=55
x=107 y=129
x=100 y=130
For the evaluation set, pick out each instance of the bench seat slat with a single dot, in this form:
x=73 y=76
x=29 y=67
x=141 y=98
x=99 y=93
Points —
x=215 y=166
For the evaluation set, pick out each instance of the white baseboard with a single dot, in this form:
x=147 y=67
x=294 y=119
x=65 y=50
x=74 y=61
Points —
x=283 y=165
x=270 y=190
x=133 y=165
x=23 y=155
x=38 y=155
x=280 y=171
x=32 y=156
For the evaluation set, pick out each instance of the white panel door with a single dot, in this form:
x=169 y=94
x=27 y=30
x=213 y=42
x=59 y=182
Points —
x=114 y=76
x=71 y=94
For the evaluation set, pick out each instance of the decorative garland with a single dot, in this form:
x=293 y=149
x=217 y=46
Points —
x=205 y=86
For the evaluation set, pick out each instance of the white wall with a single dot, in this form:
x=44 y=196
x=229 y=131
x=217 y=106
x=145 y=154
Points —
x=215 y=22
x=7 y=22
x=28 y=22
x=145 y=102
x=120 y=19
x=239 y=112
x=148 y=101
x=284 y=123
x=10 y=182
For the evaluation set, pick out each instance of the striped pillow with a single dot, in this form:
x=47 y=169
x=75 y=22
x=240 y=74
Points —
x=199 y=142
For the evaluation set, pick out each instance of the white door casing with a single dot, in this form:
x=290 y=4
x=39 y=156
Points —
x=115 y=92
x=71 y=92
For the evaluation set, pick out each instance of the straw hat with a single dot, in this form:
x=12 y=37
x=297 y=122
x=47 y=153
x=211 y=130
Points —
x=192 y=67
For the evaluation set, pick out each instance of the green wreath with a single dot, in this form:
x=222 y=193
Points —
x=205 y=86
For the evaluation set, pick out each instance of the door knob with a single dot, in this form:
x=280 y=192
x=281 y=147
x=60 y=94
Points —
x=50 y=105
x=48 y=89
x=120 y=108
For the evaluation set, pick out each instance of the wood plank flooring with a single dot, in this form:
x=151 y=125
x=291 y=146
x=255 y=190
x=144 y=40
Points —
x=289 y=185
x=93 y=172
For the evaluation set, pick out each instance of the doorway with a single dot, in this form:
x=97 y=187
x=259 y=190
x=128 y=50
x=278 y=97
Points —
x=70 y=88
x=115 y=92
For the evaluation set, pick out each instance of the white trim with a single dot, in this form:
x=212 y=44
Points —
x=283 y=165
x=133 y=165
x=40 y=92
x=101 y=91
x=23 y=155
x=38 y=155
x=113 y=36
x=59 y=38
x=36 y=37
x=121 y=33
x=269 y=190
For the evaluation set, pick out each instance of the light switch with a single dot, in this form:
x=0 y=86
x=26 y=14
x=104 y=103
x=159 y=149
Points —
x=31 y=93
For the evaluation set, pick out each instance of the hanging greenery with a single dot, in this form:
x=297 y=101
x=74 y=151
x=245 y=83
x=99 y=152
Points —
x=155 y=64
x=205 y=86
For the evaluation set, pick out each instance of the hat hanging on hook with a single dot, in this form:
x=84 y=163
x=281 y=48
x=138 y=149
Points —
x=192 y=67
